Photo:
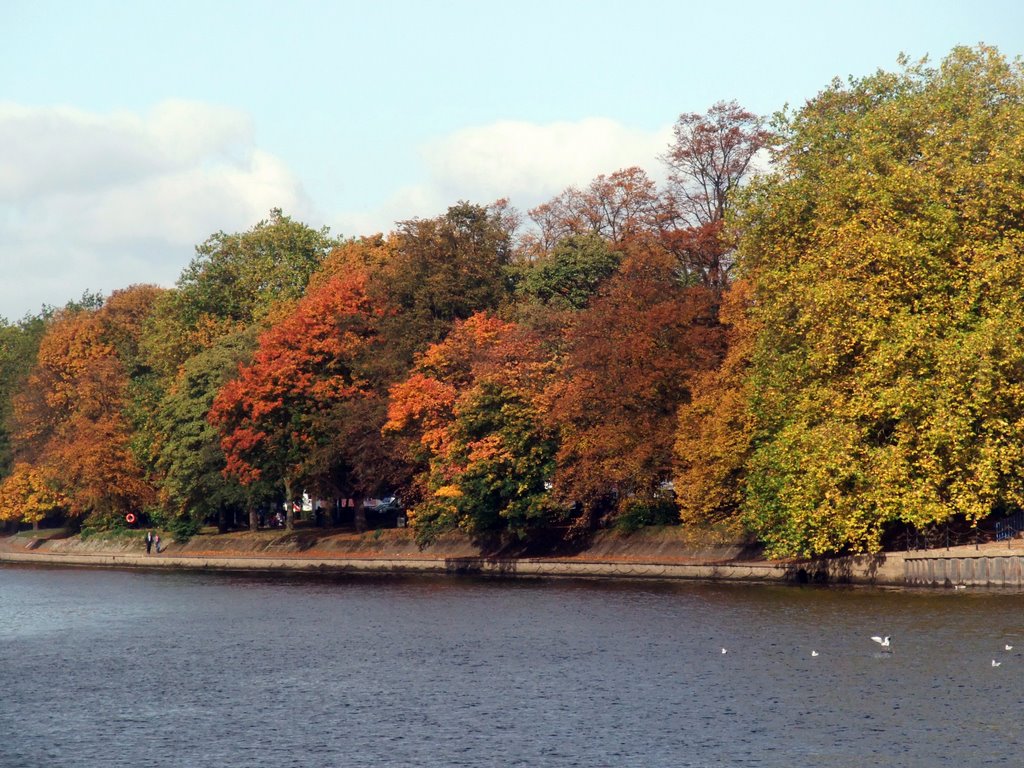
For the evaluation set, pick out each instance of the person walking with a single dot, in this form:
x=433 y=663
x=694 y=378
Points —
x=149 y=541
x=156 y=543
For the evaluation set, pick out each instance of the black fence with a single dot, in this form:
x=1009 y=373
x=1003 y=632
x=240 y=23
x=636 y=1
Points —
x=958 y=533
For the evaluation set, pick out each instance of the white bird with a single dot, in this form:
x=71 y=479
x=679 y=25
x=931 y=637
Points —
x=724 y=651
x=959 y=586
x=814 y=653
x=882 y=641
x=1008 y=647
x=996 y=663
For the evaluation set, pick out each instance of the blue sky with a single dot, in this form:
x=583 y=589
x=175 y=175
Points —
x=129 y=132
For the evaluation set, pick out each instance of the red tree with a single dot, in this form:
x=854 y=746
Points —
x=276 y=416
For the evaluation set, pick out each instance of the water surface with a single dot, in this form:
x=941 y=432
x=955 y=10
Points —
x=134 y=668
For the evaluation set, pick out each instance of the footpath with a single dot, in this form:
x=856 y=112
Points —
x=647 y=554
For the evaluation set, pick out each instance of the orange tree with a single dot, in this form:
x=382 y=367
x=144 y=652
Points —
x=70 y=419
x=471 y=417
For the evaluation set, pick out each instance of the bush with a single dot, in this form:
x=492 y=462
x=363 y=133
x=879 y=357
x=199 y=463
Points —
x=640 y=513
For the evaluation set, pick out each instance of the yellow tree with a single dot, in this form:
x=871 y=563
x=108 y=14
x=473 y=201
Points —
x=886 y=255
x=26 y=496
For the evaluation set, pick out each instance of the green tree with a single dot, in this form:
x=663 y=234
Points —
x=472 y=416
x=189 y=461
x=238 y=277
x=571 y=273
x=19 y=344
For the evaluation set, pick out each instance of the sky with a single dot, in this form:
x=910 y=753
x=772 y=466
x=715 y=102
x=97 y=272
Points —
x=132 y=131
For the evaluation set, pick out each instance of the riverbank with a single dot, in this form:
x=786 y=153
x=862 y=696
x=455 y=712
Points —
x=666 y=553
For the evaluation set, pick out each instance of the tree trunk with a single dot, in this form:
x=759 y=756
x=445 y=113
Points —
x=289 y=507
x=222 y=520
x=35 y=525
x=254 y=520
x=359 y=514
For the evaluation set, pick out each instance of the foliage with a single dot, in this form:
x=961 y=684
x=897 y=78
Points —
x=614 y=208
x=630 y=358
x=19 y=343
x=470 y=414
x=273 y=417
x=238 y=277
x=439 y=271
x=188 y=457
x=716 y=427
x=571 y=273
x=27 y=496
x=69 y=419
x=709 y=159
x=885 y=259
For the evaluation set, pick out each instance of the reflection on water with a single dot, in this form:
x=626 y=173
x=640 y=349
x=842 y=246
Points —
x=122 y=668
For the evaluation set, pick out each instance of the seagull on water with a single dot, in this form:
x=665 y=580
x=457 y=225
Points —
x=882 y=641
x=996 y=663
x=814 y=653
x=1008 y=647
x=724 y=651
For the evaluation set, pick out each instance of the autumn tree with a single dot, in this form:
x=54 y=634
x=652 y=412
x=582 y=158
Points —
x=26 y=496
x=630 y=359
x=273 y=418
x=885 y=258
x=708 y=160
x=471 y=414
x=716 y=426
x=438 y=271
x=69 y=418
x=614 y=207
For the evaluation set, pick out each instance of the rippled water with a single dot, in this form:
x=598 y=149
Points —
x=122 y=668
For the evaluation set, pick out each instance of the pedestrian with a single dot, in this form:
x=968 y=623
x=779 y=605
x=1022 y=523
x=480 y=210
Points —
x=149 y=541
x=156 y=542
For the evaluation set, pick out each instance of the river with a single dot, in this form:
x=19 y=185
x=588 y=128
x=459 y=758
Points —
x=135 y=668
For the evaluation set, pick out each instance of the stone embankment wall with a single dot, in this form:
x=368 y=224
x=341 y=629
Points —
x=981 y=569
x=649 y=555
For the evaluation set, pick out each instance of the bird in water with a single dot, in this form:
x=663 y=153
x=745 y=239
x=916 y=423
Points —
x=884 y=642
x=724 y=651
x=814 y=653
x=1008 y=647
x=996 y=663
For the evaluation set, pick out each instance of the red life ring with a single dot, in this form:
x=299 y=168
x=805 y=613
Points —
x=130 y=518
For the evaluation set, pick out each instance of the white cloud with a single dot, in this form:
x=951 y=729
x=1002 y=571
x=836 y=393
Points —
x=101 y=201
x=525 y=162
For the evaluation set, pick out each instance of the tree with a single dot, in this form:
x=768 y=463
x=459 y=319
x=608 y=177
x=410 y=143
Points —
x=630 y=358
x=471 y=415
x=438 y=271
x=70 y=421
x=616 y=207
x=885 y=259
x=708 y=160
x=716 y=427
x=188 y=459
x=273 y=417
x=19 y=343
x=26 y=496
x=239 y=276
x=572 y=273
